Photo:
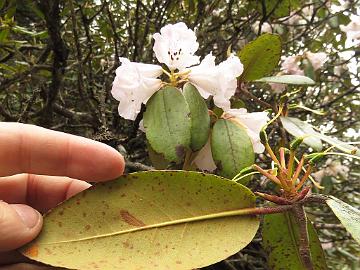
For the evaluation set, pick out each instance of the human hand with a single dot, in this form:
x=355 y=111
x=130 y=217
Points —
x=40 y=168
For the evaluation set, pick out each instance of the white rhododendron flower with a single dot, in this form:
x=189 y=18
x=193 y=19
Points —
x=204 y=160
x=217 y=80
x=317 y=60
x=352 y=30
x=134 y=84
x=175 y=46
x=252 y=122
x=291 y=66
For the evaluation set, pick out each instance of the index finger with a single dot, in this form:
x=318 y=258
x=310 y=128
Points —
x=31 y=149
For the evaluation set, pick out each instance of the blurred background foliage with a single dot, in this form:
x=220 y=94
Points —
x=58 y=60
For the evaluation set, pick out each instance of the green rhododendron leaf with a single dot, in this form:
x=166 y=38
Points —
x=281 y=241
x=287 y=79
x=260 y=57
x=349 y=216
x=299 y=128
x=148 y=220
x=167 y=123
x=199 y=114
x=231 y=148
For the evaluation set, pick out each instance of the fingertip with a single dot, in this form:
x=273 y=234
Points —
x=110 y=164
x=75 y=187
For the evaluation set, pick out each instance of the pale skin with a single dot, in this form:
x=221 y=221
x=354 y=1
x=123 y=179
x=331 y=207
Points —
x=40 y=168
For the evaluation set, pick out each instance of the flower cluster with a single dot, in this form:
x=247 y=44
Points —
x=175 y=47
x=352 y=30
x=291 y=65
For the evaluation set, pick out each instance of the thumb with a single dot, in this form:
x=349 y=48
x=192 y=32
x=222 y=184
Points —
x=19 y=224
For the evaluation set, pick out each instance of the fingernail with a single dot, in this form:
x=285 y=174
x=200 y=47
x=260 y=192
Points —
x=29 y=216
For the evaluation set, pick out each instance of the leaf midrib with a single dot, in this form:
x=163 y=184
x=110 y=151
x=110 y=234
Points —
x=290 y=226
x=230 y=213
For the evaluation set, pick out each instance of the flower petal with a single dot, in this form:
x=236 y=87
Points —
x=175 y=46
x=219 y=81
x=204 y=76
x=253 y=122
x=317 y=60
x=290 y=65
x=133 y=85
x=352 y=30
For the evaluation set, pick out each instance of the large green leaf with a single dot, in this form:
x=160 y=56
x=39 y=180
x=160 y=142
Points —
x=260 y=57
x=148 y=220
x=200 y=119
x=281 y=241
x=298 y=128
x=231 y=148
x=167 y=123
x=287 y=79
x=349 y=216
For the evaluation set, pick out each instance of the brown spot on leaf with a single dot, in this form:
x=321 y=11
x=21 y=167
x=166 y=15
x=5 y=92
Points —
x=130 y=219
x=178 y=262
x=127 y=245
x=87 y=227
x=32 y=251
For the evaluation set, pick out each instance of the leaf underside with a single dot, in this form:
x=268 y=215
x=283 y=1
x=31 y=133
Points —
x=122 y=224
x=349 y=216
x=287 y=79
x=298 y=128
